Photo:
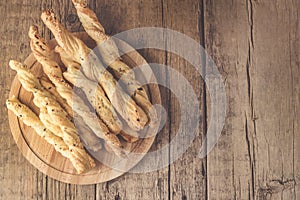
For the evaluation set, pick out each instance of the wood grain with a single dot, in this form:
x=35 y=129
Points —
x=274 y=83
x=19 y=180
x=187 y=173
x=255 y=45
x=226 y=40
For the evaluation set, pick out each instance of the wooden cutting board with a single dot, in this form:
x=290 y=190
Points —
x=43 y=156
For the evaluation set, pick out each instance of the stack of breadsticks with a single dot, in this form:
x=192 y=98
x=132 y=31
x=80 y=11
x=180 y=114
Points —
x=120 y=113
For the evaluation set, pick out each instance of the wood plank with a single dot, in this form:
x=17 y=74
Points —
x=255 y=46
x=187 y=173
x=19 y=179
x=227 y=36
x=275 y=82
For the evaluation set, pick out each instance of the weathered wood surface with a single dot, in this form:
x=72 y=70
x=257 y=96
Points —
x=255 y=45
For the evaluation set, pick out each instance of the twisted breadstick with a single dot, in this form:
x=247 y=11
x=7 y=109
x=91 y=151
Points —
x=51 y=88
x=43 y=55
x=90 y=140
x=94 y=70
x=44 y=100
x=110 y=54
x=75 y=76
x=93 y=91
x=30 y=119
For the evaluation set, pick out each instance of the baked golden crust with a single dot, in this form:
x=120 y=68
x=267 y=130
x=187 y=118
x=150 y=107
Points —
x=94 y=70
x=54 y=72
x=75 y=76
x=93 y=91
x=110 y=54
x=31 y=119
x=44 y=55
x=46 y=83
x=48 y=104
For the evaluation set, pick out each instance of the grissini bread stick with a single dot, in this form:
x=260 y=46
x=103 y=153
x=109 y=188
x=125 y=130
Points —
x=54 y=128
x=108 y=135
x=30 y=119
x=46 y=83
x=93 y=91
x=90 y=140
x=54 y=72
x=94 y=70
x=98 y=127
x=44 y=55
x=91 y=120
x=110 y=54
x=75 y=76
x=44 y=100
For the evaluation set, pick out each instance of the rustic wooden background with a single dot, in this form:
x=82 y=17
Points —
x=256 y=45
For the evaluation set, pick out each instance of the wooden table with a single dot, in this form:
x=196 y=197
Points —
x=256 y=46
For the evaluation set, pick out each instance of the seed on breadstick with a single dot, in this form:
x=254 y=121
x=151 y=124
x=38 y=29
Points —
x=52 y=89
x=31 y=119
x=75 y=76
x=44 y=100
x=43 y=54
x=110 y=54
x=93 y=91
x=94 y=70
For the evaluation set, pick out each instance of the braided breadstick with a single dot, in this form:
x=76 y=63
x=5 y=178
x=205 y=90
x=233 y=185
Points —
x=44 y=100
x=43 y=55
x=94 y=70
x=110 y=54
x=30 y=119
x=75 y=76
x=90 y=140
x=51 y=88
x=54 y=128
x=93 y=91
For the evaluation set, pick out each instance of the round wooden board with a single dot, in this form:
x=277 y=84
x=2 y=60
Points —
x=43 y=156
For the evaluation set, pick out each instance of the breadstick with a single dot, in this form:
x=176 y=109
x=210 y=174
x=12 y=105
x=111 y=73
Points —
x=30 y=119
x=45 y=100
x=43 y=55
x=110 y=54
x=54 y=128
x=51 y=88
x=90 y=140
x=93 y=91
x=75 y=76
x=94 y=70
x=128 y=138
